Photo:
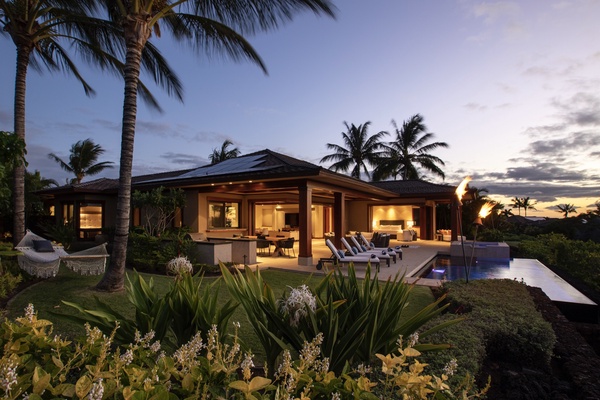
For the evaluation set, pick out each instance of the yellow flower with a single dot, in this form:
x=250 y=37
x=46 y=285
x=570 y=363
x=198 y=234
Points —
x=389 y=362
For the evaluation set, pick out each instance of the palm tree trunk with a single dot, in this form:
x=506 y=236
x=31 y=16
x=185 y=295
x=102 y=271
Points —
x=23 y=53
x=114 y=278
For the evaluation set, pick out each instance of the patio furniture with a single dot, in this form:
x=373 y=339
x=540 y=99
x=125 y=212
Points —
x=371 y=246
x=363 y=249
x=342 y=258
x=262 y=245
x=42 y=259
x=383 y=254
x=287 y=245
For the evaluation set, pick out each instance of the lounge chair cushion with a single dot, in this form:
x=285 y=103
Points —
x=341 y=253
x=43 y=246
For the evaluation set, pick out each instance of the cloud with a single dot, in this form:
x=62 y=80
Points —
x=493 y=11
x=184 y=159
x=475 y=106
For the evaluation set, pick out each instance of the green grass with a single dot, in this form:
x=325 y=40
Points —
x=47 y=296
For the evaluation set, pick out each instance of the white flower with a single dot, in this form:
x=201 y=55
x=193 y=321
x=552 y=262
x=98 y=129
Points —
x=29 y=312
x=297 y=303
x=450 y=368
x=97 y=390
x=8 y=376
x=180 y=266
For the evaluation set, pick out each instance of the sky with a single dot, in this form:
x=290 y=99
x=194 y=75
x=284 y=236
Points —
x=512 y=87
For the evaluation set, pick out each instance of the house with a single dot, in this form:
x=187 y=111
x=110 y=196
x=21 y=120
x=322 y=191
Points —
x=265 y=191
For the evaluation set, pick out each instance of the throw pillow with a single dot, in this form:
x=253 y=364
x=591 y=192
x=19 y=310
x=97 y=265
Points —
x=43 y=246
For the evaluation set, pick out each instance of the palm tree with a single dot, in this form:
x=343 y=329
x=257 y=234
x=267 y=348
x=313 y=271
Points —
x=35 y=27
x=213 y=26
x=565 y=209
x=224 y=153
x=409 y=151
x=518 y=203
x=359 y=150
x=528 y=204
x=82 y=160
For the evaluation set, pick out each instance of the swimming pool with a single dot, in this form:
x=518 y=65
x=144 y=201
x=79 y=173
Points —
x=529 y=271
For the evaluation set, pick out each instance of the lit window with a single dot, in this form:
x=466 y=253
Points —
x=223 y=214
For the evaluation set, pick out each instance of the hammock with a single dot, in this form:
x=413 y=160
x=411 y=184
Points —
x=41 y=258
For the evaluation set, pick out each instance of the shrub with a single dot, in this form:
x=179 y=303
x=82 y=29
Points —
x=505 y=317
x=578 y=258
x=357 y=318
x=35 y=365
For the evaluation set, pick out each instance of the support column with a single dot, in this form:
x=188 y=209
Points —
x=305 y=241
x=339 y=210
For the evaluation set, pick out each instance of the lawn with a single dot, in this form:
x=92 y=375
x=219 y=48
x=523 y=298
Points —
x=47 y=296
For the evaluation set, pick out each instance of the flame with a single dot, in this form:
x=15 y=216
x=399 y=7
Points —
x=486 y=209
x=461 y=189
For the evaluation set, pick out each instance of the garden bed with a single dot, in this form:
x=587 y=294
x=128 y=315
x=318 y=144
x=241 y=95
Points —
x=575 y=365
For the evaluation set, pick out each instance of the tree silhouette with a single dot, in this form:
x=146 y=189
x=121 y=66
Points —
x=565 y=209
x=358 y=150
x=212 y=27
x=224 y=153
x=527 y=204
x=409 y=151
x=83 y=159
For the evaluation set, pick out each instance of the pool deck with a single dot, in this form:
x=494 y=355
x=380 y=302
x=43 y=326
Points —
x=416 y=256
x=419 y=254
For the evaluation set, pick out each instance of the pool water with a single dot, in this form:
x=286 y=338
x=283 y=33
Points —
x=482 y=268
x=529 y=271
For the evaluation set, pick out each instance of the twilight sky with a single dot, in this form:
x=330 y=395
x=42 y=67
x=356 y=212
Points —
x=512 y=87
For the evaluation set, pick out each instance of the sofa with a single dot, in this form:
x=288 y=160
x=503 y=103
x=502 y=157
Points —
x=395 y=231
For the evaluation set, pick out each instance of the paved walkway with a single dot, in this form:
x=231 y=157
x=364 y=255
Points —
x=415 y=257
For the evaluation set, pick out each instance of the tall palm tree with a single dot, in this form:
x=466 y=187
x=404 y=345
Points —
x=528 y=204
x=211 y=26
x=518 y=203
x=36 y=27
x=359 y=150
x=224 y=153
x=409 y=151
x=83 y=160
x=565 y=209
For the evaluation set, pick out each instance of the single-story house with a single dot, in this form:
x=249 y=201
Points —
x=266 y=191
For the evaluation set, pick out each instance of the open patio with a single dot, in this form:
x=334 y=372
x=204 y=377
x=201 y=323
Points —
x=414 y=257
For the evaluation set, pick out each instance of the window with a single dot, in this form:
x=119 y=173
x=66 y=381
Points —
x=68 y=212
x=223 y=214
x=416 y=214
x=90 y=220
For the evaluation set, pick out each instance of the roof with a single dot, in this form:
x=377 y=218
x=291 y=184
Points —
x=264 y=165
x=413 y=187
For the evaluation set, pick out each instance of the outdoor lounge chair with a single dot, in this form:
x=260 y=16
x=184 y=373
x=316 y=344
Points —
x=42 y=259
x=371 y=246
x=383 y=254
x=389 y=251
x=341 y=258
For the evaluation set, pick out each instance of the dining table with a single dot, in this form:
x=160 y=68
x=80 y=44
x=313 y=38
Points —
x=275 y=241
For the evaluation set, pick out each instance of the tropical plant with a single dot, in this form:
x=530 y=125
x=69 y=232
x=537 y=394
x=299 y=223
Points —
x=565 y=209
x=83 y=159
x=409 y=151
x=213 y=27
x=517 y=203
x=36 y=28
x=224 y=153
x=356 y=319
x=159 y=207
x=358 y=150
x=184 y=311
x=39 y=365
x=528 y=204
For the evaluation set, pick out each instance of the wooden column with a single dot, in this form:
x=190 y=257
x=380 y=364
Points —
x=305 y=210
x=339 y=210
